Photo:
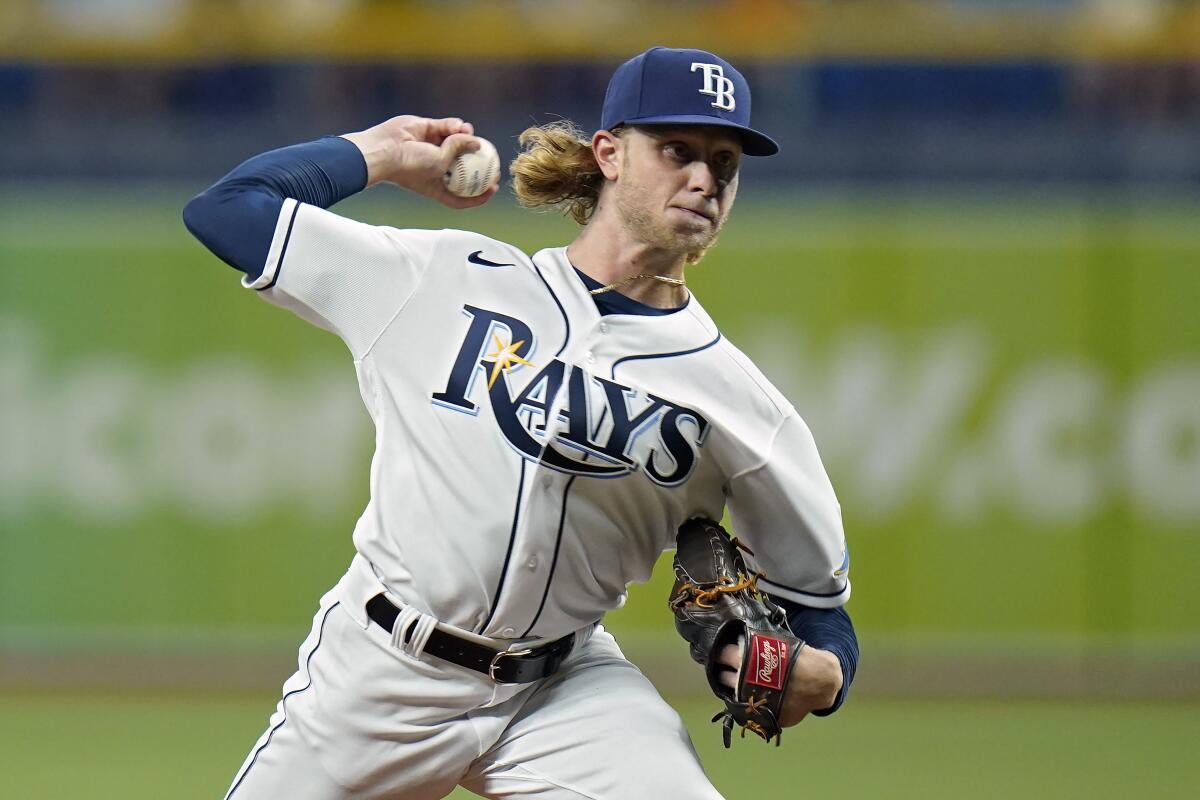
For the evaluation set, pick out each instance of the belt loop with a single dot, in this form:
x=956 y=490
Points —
x=421 y=625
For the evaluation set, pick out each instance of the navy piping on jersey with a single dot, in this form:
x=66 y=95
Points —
x=282 y=703
x=562 y=518
x=800 y=591
x=512 y=539
x=622 y=360
x=561 y=310
x=599 y=422
x=283 y=250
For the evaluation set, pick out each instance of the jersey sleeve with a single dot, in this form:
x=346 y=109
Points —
x=236 y=217
x=348 y=277
x=785 y=510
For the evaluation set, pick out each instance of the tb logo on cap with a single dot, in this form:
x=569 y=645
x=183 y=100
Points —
x=716 y=85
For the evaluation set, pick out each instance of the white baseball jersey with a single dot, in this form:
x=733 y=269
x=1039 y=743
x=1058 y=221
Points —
x=534 y=457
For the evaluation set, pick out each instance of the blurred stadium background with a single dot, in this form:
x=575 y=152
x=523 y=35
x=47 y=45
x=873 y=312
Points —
x=974 y=269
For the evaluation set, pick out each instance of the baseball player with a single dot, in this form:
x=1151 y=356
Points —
x=544 y=424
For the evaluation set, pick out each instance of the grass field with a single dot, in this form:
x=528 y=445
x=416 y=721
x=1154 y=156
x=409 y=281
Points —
x=183 y=746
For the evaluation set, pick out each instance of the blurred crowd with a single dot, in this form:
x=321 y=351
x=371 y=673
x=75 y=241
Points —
x=1026 y=122
x=857 y=90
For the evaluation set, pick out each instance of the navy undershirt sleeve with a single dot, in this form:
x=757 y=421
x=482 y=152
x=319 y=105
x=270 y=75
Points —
x=828 y=629
x=235 y=217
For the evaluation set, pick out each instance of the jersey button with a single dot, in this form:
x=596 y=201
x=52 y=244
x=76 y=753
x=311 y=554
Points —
x=508 y=633
x=532 y=562
x=591 y=358
x=604 y=327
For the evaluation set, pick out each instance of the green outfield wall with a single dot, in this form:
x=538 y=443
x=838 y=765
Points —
x=1006 y=392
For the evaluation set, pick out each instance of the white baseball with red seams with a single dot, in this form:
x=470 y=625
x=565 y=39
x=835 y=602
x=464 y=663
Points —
x=472 y=173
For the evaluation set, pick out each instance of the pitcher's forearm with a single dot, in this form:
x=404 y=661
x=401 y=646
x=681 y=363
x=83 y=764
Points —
x=378 y=151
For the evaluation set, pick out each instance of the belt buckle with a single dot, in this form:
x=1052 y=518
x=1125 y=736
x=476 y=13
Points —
x=492 y=667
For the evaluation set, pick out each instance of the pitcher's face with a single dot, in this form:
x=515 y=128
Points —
x=677 y=185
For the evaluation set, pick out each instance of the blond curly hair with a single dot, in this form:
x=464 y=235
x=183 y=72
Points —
x=556 y=169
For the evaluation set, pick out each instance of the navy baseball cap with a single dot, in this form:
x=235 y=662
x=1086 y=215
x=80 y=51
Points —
x=683 y=87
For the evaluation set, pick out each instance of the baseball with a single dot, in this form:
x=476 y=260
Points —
x=471 y=174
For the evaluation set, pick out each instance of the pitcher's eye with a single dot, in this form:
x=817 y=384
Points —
x=678 y=151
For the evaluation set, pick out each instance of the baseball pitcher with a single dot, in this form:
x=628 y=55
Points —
x=546 y=425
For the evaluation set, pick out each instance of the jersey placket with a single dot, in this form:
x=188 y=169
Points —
x=527 y=574
x=526 y=583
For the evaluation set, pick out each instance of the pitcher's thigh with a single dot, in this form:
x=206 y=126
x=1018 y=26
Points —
x=358 y=721
x=282 y=765
x=598 y=730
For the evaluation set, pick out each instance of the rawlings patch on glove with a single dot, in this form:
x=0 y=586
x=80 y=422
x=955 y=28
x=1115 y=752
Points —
x=716 y=603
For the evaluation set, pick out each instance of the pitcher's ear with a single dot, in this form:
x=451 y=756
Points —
x=607 y=148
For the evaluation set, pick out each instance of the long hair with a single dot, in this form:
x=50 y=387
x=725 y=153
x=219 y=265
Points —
x=556 y=168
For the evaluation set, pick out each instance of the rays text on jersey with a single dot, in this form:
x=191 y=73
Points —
x=564 y=417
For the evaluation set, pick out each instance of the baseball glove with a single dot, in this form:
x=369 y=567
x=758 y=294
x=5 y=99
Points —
x=716 y=603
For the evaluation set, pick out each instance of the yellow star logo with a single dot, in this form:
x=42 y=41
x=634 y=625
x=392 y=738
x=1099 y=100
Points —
x=504 y=358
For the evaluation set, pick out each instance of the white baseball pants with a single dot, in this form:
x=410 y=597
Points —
x=361 y=719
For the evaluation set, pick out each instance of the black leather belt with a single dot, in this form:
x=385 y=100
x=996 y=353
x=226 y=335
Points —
x=502 y=666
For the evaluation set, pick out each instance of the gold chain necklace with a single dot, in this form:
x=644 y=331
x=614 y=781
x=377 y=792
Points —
x=632 y=278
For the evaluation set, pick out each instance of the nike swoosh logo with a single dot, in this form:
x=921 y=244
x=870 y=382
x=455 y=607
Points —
x=477 y=258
